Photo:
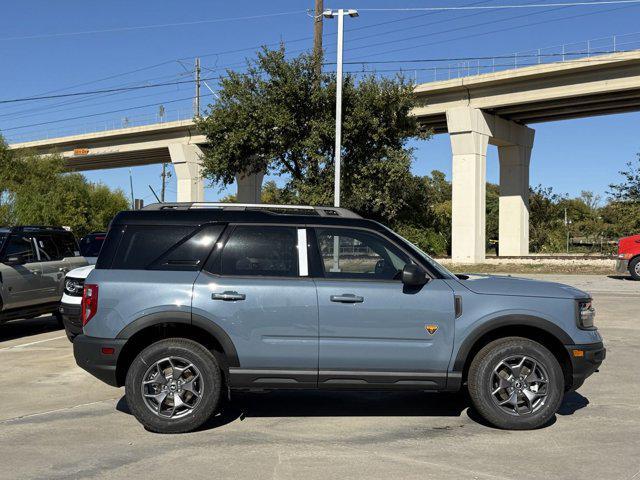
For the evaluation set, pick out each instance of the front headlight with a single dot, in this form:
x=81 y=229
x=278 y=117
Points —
x=74 y=287
x=586 y=315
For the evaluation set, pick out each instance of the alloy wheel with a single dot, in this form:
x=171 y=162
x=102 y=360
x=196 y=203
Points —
x=172 y=387
x=519 y=385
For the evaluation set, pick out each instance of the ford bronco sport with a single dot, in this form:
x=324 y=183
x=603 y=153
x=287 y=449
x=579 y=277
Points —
x=191 y=301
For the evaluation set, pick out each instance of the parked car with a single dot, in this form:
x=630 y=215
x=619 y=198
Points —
x=190 y=301
x=33 y=263
x=629 y=256
x=90 y=246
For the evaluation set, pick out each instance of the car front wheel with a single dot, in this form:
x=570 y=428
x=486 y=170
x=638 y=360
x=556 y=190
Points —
x=634 y=268
x=173 y=386
x=516 y=383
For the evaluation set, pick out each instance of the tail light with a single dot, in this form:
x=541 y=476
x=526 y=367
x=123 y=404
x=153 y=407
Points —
x=89 y=302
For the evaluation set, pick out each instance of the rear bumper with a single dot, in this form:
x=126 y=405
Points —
x=585 y=365
x=622 y=265
x=89 y=354
x=71 y=318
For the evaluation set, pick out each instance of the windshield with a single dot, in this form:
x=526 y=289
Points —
x=439 y=268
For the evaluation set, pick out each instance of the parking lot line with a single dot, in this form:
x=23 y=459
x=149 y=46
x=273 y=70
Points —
x=22 y=345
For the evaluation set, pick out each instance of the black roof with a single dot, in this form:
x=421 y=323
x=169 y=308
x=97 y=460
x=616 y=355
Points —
x=33 y=228
x=257 y=214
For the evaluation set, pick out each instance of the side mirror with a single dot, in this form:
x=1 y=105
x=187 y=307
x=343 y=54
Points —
x=14 y=260
x=413 y=276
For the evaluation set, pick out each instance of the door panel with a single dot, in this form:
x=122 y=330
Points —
x=373 y=329
x=22 y=284
x=270 y=312
x=385 y=332
x=274 y=328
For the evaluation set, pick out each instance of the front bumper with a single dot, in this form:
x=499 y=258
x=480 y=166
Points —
x=622 y=265
x=593 y=354
x=90 y=355
x=72 y=319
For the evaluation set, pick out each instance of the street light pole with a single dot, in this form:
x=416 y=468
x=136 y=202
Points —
x=340 y=13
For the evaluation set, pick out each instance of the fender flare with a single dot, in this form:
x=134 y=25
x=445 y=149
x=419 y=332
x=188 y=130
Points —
x=514 y=320
x=186 y=318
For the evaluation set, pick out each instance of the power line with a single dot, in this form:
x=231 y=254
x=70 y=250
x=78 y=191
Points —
x=107 y=90
x=499 y=7
x=464 y=37
x=146 y=27
x=97 y=114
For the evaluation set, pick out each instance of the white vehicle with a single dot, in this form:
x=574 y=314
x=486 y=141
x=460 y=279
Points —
x=70 y=307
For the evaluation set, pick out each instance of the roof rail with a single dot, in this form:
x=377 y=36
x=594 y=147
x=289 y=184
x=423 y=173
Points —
x=267 y=208
x=22 y=228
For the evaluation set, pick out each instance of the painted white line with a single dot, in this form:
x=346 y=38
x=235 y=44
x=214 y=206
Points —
x=57 y=410
x=32 y=343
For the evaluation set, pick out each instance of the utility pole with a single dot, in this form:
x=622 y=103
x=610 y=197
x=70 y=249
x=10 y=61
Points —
x=164 y=181
x=197 y=99
x=317 y=34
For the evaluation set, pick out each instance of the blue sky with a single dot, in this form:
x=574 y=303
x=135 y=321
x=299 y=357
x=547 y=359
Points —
x=44 y=48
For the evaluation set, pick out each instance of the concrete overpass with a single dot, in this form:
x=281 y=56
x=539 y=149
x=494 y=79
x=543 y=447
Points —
x=476 y=111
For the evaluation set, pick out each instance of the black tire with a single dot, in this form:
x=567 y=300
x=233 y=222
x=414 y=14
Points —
x=58 y=316
x=205 y=364
x=482 y=382
x=634 y=269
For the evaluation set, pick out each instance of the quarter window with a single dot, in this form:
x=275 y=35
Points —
x=142 y=245
x=356 y=254
x=261 y=251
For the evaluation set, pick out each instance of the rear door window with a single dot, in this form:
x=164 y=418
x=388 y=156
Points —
x=261 y=251
x=140 y=246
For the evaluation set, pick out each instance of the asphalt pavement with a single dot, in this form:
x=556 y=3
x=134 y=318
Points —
x=58 y=422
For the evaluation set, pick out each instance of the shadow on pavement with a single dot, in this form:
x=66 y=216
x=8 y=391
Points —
x=310 y=403
x=621 y=277
x=28 y=327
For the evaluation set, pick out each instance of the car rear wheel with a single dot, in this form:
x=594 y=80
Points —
x=516 y=383
x=173 y=386
x=634 y=268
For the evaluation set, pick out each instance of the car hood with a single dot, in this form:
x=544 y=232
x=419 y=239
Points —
x=522 y=287
x=81 y=272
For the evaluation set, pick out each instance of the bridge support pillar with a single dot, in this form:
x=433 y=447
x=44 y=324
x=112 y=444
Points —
x=249 y=188
x=468 y=185
x=187 y=162
x=513 y=228
x=471 y=130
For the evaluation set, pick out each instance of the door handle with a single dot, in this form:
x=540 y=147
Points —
x=228 y=296
x=35 y=272
x=347 y=298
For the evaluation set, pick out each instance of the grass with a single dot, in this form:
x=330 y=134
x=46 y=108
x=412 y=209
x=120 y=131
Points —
x=569 y=269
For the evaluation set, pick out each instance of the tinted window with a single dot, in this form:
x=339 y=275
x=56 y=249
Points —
x=359 y=255
x=258 y=250
x=66 y=244
x=21 y=245
x=141 y=245
x=191 y=252
x=48 y=249
x=91 y=244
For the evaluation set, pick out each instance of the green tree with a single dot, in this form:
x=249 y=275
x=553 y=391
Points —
x=279 y=117
x=629 y=189
x=36 y=190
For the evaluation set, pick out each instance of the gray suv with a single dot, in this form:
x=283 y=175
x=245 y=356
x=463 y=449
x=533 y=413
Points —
x=33 y=263
x=191 y=301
